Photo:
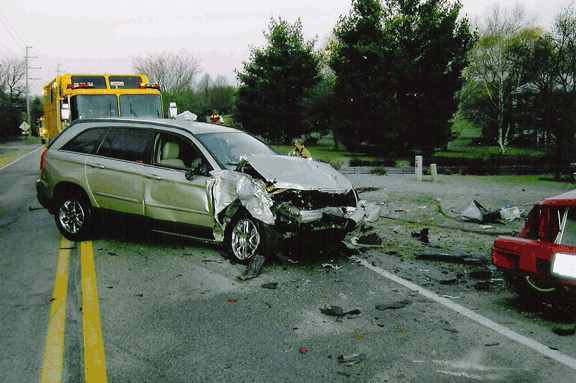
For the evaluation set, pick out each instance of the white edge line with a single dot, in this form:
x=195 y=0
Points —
x=18 y=159
x=537 y=346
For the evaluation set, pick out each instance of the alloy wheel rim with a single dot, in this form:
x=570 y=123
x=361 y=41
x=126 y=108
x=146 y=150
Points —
x=72 y=216
x=245 y=239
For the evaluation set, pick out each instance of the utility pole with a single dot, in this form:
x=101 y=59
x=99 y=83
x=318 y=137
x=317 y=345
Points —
x=27 y=96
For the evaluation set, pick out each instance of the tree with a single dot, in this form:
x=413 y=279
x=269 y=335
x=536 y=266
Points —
x=397 y=70
x=319 y=106
x=175 y=72
x=494 y=77
x=565 y=91
x=222 y=96
x=361 y=59
x=273 y=81
x=12 y=102
x=204 y=94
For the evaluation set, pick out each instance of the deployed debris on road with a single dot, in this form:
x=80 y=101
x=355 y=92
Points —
x=394 y=305
x=422 y=235
x=337 y=311
x=351 y=360
x=475 y=212
x=254 y=268
x=478 y=213
x=450 y=257
x=270 y=285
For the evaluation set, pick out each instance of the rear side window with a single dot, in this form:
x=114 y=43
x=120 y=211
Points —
x=128 y=144
x=86 y=142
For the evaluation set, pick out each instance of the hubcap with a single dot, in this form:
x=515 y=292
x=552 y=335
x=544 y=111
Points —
x=71 y=216
x=245 y=239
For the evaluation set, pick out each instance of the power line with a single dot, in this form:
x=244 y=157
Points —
x=14 y=30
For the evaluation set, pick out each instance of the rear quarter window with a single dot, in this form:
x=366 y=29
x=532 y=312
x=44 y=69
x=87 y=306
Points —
x=86 y=142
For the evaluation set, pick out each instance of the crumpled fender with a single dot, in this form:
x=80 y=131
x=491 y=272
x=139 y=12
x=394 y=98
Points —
x=227 y=187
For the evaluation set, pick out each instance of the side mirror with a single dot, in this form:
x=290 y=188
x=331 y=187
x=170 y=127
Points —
x=172 y=110
x=201 y=169
x=190 y=174
x=65 y=112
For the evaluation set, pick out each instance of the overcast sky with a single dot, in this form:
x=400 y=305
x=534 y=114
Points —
x=101 y=36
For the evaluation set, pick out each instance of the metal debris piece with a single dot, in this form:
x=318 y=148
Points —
x=395 y=305
x=449 y=257
x=335 y=267
x=422 y=235
x=254 y=268
x=337 y=311
x=270 y=285
x=351 y=360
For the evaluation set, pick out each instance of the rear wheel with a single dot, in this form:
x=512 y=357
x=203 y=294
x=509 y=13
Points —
x=74 y=216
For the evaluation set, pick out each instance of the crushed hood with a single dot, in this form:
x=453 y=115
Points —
x=298 y=173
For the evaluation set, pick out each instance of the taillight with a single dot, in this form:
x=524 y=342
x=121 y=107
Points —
x=42 y=162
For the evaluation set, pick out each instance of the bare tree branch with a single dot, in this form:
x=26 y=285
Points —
x=175 y=72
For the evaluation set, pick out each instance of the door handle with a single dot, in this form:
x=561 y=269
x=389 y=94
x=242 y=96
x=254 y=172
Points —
x=98 y=166
x=153 y=176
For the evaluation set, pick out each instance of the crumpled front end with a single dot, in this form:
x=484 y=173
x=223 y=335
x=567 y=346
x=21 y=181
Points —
x=289 y=210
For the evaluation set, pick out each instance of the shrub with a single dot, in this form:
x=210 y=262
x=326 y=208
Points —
x=378 y=171
x=336 y=164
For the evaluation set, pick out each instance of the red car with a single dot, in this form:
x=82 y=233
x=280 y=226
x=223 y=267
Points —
x=541 y=261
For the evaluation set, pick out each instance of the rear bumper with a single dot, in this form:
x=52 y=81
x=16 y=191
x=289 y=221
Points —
x=42 y=195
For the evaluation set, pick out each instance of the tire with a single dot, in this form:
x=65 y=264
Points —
x=74 y=216
x=246 y=237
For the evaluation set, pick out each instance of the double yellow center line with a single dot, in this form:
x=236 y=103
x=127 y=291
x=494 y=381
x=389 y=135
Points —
x=94 y=360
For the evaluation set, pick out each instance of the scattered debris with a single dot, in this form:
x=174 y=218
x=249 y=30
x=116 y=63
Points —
x=451 y=329
x=254 y=268
x=422 y=235
x=303 y=350
x=337 y=311
x=395 y=305
x=335 y=267
x=270 y=285
x=370 y=239
x=449 y=257
x=477 y=213
x=351 y=360
x=482 y=274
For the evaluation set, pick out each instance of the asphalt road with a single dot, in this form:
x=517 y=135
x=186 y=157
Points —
x=171 y=310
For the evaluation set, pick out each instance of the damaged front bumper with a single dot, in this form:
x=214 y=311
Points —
x=290 y=212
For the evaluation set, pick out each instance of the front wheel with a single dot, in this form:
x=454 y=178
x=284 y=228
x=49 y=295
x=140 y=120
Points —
x=74 y=217
x=245 y=239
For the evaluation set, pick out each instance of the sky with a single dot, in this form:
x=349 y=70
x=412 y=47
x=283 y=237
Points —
x=102 y=36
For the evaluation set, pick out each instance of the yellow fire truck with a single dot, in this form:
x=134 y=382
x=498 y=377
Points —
x=42 y=129
x=71 y=97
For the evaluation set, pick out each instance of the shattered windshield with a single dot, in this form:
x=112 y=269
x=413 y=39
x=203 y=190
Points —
x=93 y=106
x=140 y=105
x=227 y=148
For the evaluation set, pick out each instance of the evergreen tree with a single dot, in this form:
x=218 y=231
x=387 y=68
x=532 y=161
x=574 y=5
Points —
x=398 y=68
x=273 y=82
